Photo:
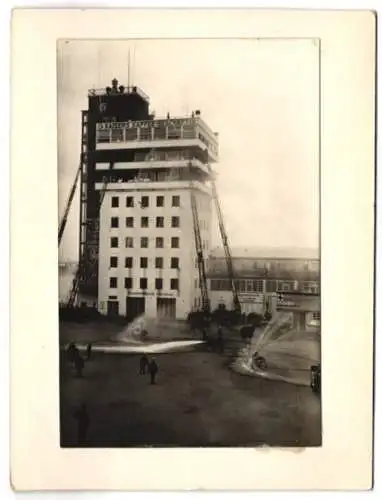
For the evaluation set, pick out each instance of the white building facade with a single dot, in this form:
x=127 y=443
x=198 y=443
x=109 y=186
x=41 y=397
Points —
x=147 y=255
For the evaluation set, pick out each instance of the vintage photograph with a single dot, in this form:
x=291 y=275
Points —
x=189 y=242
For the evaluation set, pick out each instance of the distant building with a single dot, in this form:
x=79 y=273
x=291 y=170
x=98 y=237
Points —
x=263 y=275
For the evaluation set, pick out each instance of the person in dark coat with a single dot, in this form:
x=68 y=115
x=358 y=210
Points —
x=89 y=351
x=79 y=365
x=220 y=339
x=143 y=364
x=83 y=421
x=153 y=370
x=72 y=352
x=204 y=333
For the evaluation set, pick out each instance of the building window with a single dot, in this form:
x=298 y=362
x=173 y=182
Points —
x=113 y=283
x=129 y=221
x=129 y=242
x=159 y=262
x=144 y=201
x=175 y=242
x=176 y=201
x=129 y=201
x=306 y=287
x=160 y=201
x=144 y=242
x=159 y=242
x=220 y=285
x=214 y=285
x=314 y=265
x=114 y=222
x=174 y=263
x=160 y=222
x=129 y=262
x=258 y=286
x=113 y=261
x=158 y=283
x=115 y=201
x=250 y=286
x=145 y=134
x=143 y=283
x=114 y=242
x=316 y=316
x=174 y=284
x=128 y=283
x=240 y=284
x=310 y=287
x=271 y=286
x=144 y=262
x=285 y=286
x=144 y=222
x=175 y=222
x=116 y=135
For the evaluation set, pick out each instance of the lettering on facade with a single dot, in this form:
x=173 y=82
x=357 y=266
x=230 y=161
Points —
x=304 y=304
x=287 y=303
x=253 y=298
x=176 y=122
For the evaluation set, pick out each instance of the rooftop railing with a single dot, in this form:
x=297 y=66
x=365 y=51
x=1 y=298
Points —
x=157 y=129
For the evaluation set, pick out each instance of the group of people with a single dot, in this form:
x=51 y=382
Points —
x=149 y=365
x=219 y=343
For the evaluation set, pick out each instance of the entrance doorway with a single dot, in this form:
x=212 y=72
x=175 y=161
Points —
x=166 y=308
x=112 y=308
x=135 y=306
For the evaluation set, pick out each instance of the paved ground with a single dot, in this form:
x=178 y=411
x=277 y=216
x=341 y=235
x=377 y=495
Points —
x=198 y=401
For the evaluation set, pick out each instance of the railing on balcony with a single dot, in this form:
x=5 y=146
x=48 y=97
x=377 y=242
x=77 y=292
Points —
x=157 y=130
x=168 y=175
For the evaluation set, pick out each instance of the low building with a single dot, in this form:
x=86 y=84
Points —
x=262 y=274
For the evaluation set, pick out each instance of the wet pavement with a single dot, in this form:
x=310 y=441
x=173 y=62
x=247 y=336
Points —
x=197 y=401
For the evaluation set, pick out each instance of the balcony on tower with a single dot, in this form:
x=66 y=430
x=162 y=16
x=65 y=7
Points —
x=190 y=133
x=120 y=178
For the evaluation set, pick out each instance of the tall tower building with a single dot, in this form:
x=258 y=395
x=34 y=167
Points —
x=137 y=230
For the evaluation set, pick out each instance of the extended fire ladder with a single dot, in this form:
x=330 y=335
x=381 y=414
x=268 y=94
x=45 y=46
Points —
x=64 y=219
x=81 y=270
x=206 y=305
x=227 y=251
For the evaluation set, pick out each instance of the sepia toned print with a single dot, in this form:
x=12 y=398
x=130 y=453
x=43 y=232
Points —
x=189 y=243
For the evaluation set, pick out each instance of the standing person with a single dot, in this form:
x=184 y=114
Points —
x=153 y=370
x=220 y=339
x=83 y=421
x=79 y=365
x=89 y=351
x=72 y=352
x=204 y=333
x=143 y=364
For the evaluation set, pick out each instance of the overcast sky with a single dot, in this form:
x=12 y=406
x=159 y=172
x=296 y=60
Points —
x=260 y=95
